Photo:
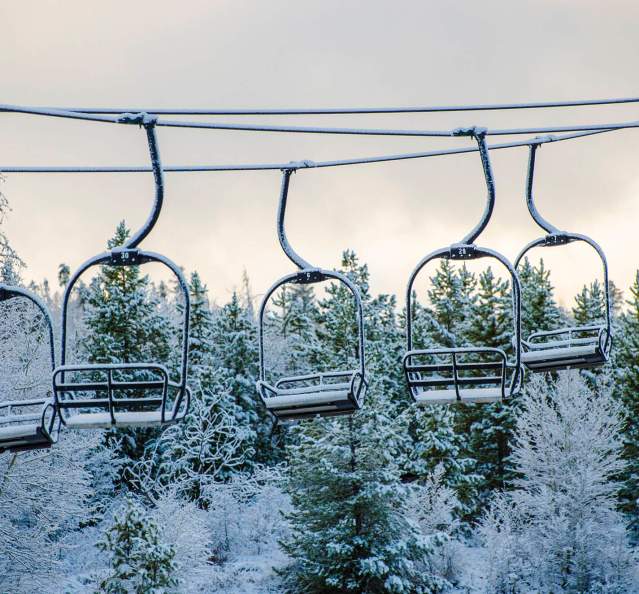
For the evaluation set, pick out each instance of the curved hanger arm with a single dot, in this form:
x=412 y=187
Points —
x=148 y=122
x=10 y=292
x=297 y=278
x=532 y=209
x=479 y=134
x=293 y=256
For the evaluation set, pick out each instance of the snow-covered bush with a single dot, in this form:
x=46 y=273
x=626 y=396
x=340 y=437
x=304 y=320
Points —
x=183 y=527
x=559 y=530
x=246 y=514
x=431 y=504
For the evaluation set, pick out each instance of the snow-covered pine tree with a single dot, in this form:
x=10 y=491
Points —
x=489 y=427
x=236 y=358
x=208 y=445
x=139 y=562
x=559 y=530
x=292 y=322
x=123 y=324
x=452 y=300
x=590 y=305
x=431 y=439
x=539 y=310
x=626 y=348
x=201 y=337
x=350 y=530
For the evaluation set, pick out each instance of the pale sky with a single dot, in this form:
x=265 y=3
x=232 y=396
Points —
x=318 y=54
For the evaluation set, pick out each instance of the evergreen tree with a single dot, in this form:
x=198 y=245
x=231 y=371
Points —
x=627 y=387
x=489 y=427
x=539 y=311
x=139 y=562
x=436 y=444
x=201 y=329
x=291 y=327
x=123 y=325
x=452 y=301
x=235 y=355
x=590 y=305
x=350 y=530
x=209 y=444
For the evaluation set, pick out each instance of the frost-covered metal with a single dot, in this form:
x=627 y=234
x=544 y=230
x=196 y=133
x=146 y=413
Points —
x=572 y=346
x=465 y=374
x=336 y=392
x=29 y=424
x=125 y=394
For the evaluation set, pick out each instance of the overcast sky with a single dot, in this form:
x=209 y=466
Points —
x=329 y=53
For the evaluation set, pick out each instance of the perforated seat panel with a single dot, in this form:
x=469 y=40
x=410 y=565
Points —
x=557 y=358
x=22 y=436
x=122 y=419
x=290 y=398
x=479 y=395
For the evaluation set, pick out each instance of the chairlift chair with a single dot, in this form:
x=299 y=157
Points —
x=101 y=395
x=571 y=346
x=332 y=393
x=472 y=374
x=31 y=424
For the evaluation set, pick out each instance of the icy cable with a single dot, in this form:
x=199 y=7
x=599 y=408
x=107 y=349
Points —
x=316 y=129
x=307 y=164
x=354 y=110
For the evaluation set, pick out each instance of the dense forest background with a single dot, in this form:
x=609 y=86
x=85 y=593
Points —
x=538 y=494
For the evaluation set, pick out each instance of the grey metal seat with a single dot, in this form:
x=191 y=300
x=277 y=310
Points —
x=583 y=346
x=28 y=425
x=571 y=347
x=466 y=375
x=303 y=396
x=127 y=394
x=34 y=423
x=469 y=374
x=93 y=397
x=331 y=393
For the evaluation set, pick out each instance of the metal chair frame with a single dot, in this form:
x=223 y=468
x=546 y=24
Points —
x=419 y=375
x=128 y=255
x=40 y=430
x=320 y=383
x=600 y=339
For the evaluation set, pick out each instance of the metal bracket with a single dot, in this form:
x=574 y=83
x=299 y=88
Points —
x=474 y=131
x=141 y=119
x=462 y=251
x=126 y=257
x=306 y=277
x=560 y=238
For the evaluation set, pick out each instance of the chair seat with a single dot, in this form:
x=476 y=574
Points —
x=562 y=357
x=478 y=395
x=102 y=420
x=308 y=401
x=23 y=436
x=290 y=398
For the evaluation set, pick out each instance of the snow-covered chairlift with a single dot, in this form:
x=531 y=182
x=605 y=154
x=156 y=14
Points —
x=31 y=424
x=103 y=395
x=337 y=392
x=572 y=346
x=471 y=374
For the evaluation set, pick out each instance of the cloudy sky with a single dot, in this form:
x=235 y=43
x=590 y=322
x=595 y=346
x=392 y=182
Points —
x=331 y=53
